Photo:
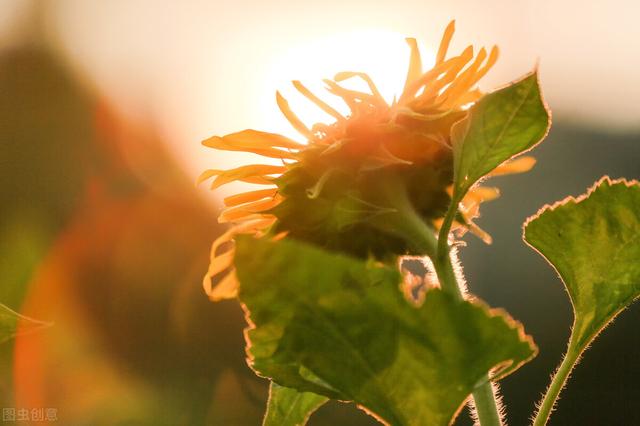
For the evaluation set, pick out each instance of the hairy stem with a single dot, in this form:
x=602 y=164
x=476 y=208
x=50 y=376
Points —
x=442 y=261
x=406 y=223
x=484 y=398
x=557 y=383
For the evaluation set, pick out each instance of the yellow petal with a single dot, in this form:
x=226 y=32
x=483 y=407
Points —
x=415 y=64
x=463 y=82
x=491 y=61
x=234 y=213
x=254 y=139
x=227 y=288
x=226 y=237
x=427 y=78
x=433 y=89
x=279 y=236
x=446 y=40
x=244 y=172
x=519 y=165
x=221 y=262
x=341 y=76
x=220 y=143
x=246 y=197
x=257 y=180
x=483 y=193
x=460 y=88
x=479 y=232
x=351 y=97
x=292 y=118
x=260 y=223
x=207 y=174
x=319 y=102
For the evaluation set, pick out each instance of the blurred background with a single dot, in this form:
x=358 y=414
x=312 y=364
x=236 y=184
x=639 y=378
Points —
x=103 y=233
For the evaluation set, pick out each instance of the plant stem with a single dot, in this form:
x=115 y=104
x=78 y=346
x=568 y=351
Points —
x=442 y=262
x=484 y=398
x=557 y=383
x=406 y=223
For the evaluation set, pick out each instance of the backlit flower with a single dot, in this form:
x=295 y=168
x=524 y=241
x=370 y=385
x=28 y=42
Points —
x=333 y=190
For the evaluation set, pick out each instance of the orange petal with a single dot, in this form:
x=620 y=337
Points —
x=491 y=61
x=316 y=100
x=220 y=143
x=291 y=117
x=446 y=40
x=426 y=78
x=433 y=89
x=483 y=193
x=479 y=232
x=246 y=197
x=221 y=262
x=519 y=165
x=351 y=97
x=227 y=288
x=279 y=236
x=254 y=139
x=207 y=174
x=234 y=213
x=463 y=82
x=244 y=172
x=415 y=64
x=372 y=86
x=260 y=223
x=257 y=180
x=226 y=237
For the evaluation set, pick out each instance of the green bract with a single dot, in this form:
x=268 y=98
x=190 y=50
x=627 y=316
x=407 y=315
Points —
x=334 y=199
x=336 y=326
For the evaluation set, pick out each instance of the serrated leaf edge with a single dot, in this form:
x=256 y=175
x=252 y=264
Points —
x=503 y=369
x=578 y=199
x=575 y=200
x=496 y=373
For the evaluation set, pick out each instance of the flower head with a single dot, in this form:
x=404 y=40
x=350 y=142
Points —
x=335 y=189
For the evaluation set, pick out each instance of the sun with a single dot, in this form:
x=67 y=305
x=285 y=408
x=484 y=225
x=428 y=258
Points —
x=383 y=54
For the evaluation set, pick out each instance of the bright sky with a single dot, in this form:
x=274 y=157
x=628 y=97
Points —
x=208 y=68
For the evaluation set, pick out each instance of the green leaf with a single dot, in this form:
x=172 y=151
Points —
x=288 y=407
x=594 y=244
x=501 y=125
x=339 y=327
x=12 y=324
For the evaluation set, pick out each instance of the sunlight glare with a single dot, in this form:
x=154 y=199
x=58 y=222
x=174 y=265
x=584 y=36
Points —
x=384 y=55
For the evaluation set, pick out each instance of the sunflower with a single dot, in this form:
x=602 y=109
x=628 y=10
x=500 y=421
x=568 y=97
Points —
x=338 y=189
